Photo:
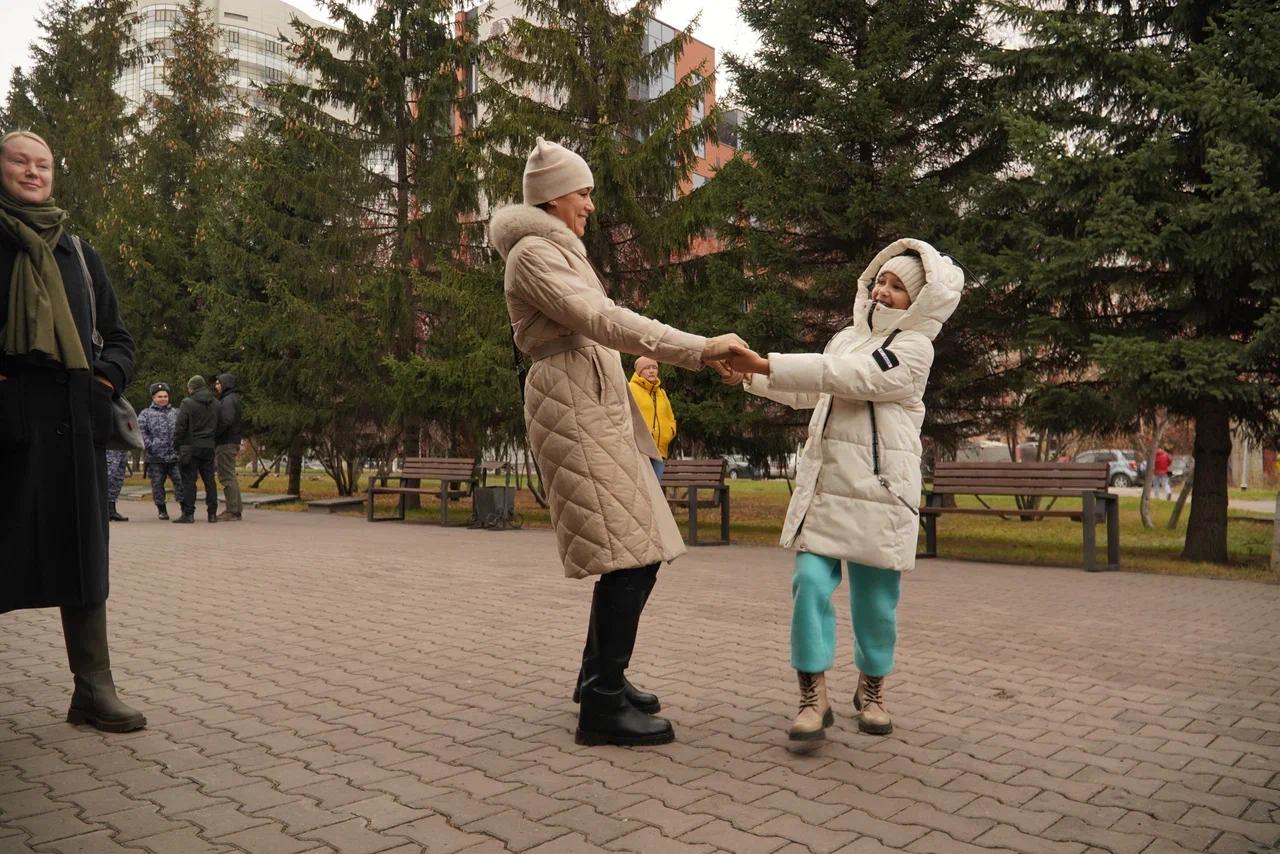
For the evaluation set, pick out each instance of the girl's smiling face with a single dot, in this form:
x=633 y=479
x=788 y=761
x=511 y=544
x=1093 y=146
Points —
x=889 y=291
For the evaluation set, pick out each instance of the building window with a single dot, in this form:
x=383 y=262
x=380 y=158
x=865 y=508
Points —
x=170 y=15
x=231 y=36
x=274 y=46
x=234 y=16
x=699 y=180
x=273 y=75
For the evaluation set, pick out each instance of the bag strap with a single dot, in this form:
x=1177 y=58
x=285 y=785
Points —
x=96 y=337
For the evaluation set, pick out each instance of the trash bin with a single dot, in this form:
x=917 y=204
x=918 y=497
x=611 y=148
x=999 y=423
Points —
x=495 y=505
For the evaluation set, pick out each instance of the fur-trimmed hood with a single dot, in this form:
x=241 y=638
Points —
x=511 y=224
x=943 y=283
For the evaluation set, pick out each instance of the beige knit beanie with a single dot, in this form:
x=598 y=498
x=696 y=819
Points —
x=909 y=269
x=552 y=171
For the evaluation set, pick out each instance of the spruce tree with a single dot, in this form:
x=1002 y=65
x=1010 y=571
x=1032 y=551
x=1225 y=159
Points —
x=867 y=122
x=582 y=74
x=157 y=224
x=1150 y=220
x=67 y=96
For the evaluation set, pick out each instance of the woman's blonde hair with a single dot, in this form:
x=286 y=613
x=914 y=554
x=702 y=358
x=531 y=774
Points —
x=28 y=134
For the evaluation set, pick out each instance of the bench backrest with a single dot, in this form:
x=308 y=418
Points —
x=430 y=468
x=686 y=472
x=1019 y=478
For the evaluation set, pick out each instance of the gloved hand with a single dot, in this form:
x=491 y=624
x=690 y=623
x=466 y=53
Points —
x=717 y=348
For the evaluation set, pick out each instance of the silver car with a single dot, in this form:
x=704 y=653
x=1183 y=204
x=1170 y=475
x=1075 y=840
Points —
x=1122 y=466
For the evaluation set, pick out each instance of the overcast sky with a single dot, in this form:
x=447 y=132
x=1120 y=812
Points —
x=719 y=27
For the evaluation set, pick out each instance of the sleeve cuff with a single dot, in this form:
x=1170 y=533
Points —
x=112 y=373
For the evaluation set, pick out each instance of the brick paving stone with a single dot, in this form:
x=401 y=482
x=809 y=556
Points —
x=1072 y=829
x=266 y=839
x=649 y=839
x=955 y=826
x=518 y=832
x=1004 y=836
x=1263 y=833
x=300 y=815
x=890 y=833
x=809 y=836
x=740 y=815
x=352 y=836
x=724 y=835
x=597 y=827
x=671 y=823
x=49 y=826
x=88 y=843
x=139 y=822
x=178 y=842
x=935 y=842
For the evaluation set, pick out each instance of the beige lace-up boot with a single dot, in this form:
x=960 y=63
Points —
x=807 y=730
x=873 y=717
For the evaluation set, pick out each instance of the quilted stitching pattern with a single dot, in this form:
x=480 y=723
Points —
x=606 y=506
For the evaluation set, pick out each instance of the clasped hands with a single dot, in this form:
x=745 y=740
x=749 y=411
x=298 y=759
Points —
x=733 y=359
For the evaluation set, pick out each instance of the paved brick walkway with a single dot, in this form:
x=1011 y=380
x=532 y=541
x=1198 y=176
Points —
x=320 y=684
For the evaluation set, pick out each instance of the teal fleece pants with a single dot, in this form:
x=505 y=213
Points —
x=873 y=600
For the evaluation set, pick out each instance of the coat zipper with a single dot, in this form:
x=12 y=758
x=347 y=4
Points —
x=875 y=446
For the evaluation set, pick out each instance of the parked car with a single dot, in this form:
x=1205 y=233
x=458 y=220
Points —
x=1123 y=468
x=739 y=466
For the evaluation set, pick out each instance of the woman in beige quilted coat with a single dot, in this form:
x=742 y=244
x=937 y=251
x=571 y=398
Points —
x=592 y=446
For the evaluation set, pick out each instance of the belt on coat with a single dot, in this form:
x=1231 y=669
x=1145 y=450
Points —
x=562 y=344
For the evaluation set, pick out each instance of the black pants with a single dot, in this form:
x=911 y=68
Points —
x=197 y=461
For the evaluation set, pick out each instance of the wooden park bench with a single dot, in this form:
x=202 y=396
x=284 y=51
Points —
x=457 y=478
x=695 y=476
x=1085 y=481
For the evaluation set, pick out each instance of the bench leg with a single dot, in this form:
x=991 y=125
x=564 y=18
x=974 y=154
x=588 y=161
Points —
x=1090 y=520
x=401 y=506
x=370 y=496
x=724 y=514
x=693 y=516
x=1113 y=531
x=444 y=503
x=930 y=536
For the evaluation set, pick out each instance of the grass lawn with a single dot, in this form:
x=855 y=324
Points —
x=758 y=508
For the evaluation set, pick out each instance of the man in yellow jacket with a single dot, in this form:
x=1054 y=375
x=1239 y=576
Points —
x=655 y=406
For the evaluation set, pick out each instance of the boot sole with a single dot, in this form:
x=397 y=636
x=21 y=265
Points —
x=874 y=729
x=77 y=717
x=596 y=739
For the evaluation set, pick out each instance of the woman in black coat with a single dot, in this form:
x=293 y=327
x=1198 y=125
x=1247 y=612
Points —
x=56 y=387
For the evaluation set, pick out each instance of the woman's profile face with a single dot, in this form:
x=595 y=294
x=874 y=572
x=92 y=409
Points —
x=26 y=169
x=573 y=209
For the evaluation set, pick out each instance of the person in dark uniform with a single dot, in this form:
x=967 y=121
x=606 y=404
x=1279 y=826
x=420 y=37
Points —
x=57 y=381
x=157 y=424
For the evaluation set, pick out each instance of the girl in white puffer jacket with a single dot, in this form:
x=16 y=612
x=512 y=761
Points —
x=858 y=478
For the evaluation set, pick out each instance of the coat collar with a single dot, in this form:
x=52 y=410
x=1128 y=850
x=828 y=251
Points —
x=647 y=385
x=513 y=223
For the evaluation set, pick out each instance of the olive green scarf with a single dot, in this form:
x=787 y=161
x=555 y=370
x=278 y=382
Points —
x=39 y=315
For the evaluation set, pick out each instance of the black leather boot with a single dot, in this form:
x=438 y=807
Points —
x=185 y=519
x=94 y=702
x=606 y=716
x=164 y=512
x=213 y=515
x=642 y=700
x=114 y=514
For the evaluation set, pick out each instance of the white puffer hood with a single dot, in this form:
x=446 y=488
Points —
x=943 y=283
x=511 y=224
